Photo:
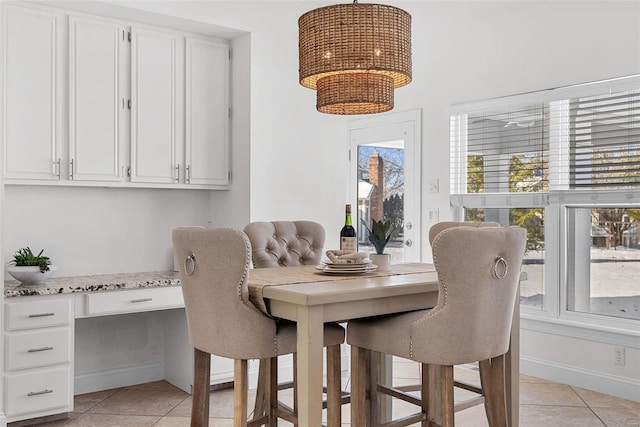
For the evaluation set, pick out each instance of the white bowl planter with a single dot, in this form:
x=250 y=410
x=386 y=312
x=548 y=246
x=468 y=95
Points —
x=383 y=261
x=31 y=275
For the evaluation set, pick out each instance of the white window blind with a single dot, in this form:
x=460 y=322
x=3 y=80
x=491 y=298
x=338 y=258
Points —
x=506 y=150
x=604 y=139
x=579 y=137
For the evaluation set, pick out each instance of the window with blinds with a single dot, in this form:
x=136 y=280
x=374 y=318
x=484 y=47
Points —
x=580 y=137
x=604 y=135
x=506 y=150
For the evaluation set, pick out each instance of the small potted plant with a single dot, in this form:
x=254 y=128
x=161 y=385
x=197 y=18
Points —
x=30 y=269
x=380 y=234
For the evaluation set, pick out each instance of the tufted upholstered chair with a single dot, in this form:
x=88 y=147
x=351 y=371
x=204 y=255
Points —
x=222 y=320
x=478 y=271
x=285 y=243
x=288 y=244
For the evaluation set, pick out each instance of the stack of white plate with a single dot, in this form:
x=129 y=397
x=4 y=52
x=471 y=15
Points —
x=354 y=268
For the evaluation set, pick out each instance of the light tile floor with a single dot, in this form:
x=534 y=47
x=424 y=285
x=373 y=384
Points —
x=542 y=404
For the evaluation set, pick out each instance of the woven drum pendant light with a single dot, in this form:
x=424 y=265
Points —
x=355 y=55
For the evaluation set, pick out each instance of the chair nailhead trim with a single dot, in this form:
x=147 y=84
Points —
x=434 y=311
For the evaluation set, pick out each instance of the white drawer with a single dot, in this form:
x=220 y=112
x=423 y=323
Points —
x=32 y=349
x=114 y=302
x=36 y=312
x=38 y=390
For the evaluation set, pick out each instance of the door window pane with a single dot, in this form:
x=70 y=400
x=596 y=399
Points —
x=604 y=261
x=532 y=277
x=381 y=194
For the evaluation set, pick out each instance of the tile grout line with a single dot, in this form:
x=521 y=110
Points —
x=588 y=406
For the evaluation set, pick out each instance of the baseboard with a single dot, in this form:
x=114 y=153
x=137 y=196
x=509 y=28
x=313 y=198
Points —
x=118 y=377
x=143 y=373
x=3 y=420
x=139 y=374
x=591 y=380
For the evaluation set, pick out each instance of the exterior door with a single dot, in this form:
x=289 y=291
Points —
x=384 y=179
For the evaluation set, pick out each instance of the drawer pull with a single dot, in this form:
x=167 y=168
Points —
x=37 y=393
x=35 y=350
x=142 y=300
x=42 y=315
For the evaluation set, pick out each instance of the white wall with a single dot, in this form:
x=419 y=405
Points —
x=232 y=208
x=100 y=230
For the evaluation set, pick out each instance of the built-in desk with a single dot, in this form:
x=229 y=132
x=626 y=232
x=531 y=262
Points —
x=40 y=323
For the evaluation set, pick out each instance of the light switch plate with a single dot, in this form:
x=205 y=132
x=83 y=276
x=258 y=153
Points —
x=433 y=186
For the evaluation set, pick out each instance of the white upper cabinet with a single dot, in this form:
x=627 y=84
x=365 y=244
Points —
x=207 y=112
x=95 y=101
x=156 y=96
x=33 y=92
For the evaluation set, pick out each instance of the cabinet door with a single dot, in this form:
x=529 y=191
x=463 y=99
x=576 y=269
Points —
x=155 y=98
x=32 y=103
x=95 y=103
x=207 y=112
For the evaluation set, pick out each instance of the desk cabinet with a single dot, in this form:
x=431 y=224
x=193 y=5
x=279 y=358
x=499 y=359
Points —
x=38 y=357
x=41 y=360
x=132 y=301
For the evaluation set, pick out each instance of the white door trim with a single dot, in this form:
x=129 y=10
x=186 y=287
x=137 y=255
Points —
x=385 y=126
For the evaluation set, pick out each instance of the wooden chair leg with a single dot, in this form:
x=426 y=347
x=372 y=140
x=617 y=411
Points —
x=260 y=407
x=434 y=394
x=295 y=384
x=376 y=402
x=492 y=379
x=240 y=390
x=358 y=385
x=201 y=379
x=446 y=397
x=425 y=389
x=272 y=391
x=334 y=387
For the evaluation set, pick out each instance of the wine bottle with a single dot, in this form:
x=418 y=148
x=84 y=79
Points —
x=348 y=233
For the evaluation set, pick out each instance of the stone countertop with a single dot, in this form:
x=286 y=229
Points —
x=102 y=282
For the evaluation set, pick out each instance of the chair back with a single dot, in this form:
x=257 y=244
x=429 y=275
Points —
x=441 y=226
x=213 y=267
x=478 y=272
x=285 y=243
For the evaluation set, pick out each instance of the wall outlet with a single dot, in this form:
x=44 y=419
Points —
x=433 y=214
x=619 y=355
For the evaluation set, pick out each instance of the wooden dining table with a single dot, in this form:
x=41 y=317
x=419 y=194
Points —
x=310 y=298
